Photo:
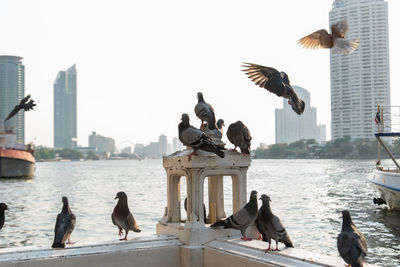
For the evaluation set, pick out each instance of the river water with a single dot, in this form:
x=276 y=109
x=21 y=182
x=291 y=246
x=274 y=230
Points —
x=308 y=196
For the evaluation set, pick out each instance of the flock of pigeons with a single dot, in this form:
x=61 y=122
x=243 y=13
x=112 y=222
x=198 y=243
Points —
x=351 y=243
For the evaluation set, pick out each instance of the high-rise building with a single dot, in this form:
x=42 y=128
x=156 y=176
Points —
x=12 y=90
x=162 y=145
x=104 y=145
x=360 y=81
x=176 y=144
x=290 y=127
x=65 y=117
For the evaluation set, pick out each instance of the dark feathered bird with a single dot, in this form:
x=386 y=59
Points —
x=23 y=104
x=214 y=133
x=3 y=208
x=336 y=41
x=195 y=138
x=205 y=112
x=351 y=243
x=239 y=135
x=243 y=218
x=65 y=224
x=122 y=217
x=276 y=82
x=270 y=226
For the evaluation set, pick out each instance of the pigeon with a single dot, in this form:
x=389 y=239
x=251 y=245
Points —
x=122 y=217
x=270 y=226
x=23 y=104
x=215 y=133
x=336 y=41
x=276 y=82
x=3 y=208
x=239 y=135
x=243 y=218
x=204 y=209
x=196 y=138
x=205 y=112
x=65 y=224
x=351 y=243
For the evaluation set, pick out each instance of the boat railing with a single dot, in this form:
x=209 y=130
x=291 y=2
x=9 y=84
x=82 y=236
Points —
x=388 y=169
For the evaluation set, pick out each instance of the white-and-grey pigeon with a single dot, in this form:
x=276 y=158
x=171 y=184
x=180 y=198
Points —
x=239 y=135
x=351 y=243
x=276 y=82
x=196 y=138
x=336 y=41
x=122 y=217
x=270 y=226
x=205 y=112
x=65 y=224
x=214 y=133
x=243 y=218
x=3 y=208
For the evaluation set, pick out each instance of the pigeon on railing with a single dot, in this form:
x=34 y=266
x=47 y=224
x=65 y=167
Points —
x=122 y=217
x=65 y=224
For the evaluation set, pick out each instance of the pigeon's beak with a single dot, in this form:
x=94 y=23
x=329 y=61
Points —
x=116 y=197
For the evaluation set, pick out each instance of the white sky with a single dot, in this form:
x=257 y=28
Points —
x=141 y=63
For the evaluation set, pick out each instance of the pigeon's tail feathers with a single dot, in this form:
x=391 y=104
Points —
x=137 y=230
x=220 y=153
x=288 y=243
x=343 y=46
x=245 y=150
x=225 y=223
x=58 y=245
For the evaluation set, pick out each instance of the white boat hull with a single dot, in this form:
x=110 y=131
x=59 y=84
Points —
x=388 y=185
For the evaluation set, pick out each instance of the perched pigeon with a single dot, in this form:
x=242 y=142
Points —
x=204 y=209
x=214 y=133
x=196 y=139
x=3 y=207
x=276 y=82
x=122 y=217
x=337 y=40
x=243 y=218
x=23 y=104
x=239 y=135
x=270 y=226
x=351 y=243
x=205 y=112
x=65 y=224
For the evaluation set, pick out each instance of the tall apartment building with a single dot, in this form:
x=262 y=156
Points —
x=360 y=81
x=176 y=144
x=290 y=127
x=162 y=145
x=12 y=90
x=65 y=117
x=104 y=145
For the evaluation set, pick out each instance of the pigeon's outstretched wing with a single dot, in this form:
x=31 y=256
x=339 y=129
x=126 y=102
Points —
x=317 y=40
x=265 y=77
x=22 y=105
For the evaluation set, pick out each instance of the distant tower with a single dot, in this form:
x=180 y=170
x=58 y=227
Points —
x=12 y=90
x=65 y=117
x=176 y=144
x=361 y=80
x=290 y=127
x=162 y=145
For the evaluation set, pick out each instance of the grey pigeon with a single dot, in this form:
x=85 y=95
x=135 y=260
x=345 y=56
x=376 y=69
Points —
x=3 y=208
x=351 y=243
x=336 y=41
x=195 y=138
x=205 y=112
x=214 y=133
x=204 y=210
x=65 y=224
x=122 y=217
x=23 y=104
x=239 y=135
x=276 y=82
x=270 y=226
x=243 y=218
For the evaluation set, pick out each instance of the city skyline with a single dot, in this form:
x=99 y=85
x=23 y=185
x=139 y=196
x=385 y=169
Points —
x=159 y=74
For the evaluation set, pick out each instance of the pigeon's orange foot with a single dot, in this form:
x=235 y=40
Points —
x=245 y=238
x=268 y=249
x=259 y=237
x=276 y=249
x=69 y=242
x=122 y=239
x=120 y=232
x=192 y=154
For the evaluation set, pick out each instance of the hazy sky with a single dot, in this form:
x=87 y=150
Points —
x=141 y=63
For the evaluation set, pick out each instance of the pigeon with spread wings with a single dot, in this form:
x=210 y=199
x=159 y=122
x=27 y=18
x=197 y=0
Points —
x=276 y=82
x=336 y=40
x=23 y=104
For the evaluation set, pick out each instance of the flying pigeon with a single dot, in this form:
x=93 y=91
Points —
x=122 y=217
x=276 y=82
x=239 y=135
x=65 y=224
x=351 y=243
x=196 y=139
x=205 y=112
x=3 y=208
x=204 y=209
x=243 y=218
x=337 y=40
x=23 y=104
x=270 y=226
